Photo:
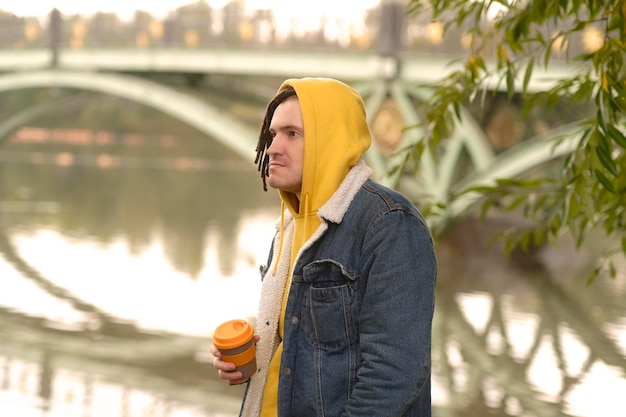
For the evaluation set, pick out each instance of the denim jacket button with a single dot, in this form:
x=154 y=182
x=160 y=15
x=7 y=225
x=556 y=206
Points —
x=286 y=371
x=293 y=320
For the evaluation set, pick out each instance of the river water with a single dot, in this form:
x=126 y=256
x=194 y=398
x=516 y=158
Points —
x=118 y=261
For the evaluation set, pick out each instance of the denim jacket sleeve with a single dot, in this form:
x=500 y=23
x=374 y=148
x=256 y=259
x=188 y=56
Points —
x=395 y=321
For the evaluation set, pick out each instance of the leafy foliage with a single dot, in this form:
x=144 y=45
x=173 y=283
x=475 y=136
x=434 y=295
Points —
x=510 y=40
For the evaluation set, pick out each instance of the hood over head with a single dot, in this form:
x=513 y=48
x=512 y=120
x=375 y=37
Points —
x=336 y=136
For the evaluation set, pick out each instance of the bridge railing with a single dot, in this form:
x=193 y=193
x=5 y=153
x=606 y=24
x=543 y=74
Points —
x=385 y=29
x=196 y=25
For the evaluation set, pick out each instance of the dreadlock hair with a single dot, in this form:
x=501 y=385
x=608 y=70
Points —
x=265 y=136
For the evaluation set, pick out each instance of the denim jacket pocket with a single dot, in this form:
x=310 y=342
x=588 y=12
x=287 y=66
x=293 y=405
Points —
x=328 y=304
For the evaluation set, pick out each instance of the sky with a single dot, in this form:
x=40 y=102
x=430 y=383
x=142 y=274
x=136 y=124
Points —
x=348 y=9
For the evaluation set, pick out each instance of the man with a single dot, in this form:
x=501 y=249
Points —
x=345 y=316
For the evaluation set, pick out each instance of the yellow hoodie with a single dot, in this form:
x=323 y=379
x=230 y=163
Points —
x=336 y=136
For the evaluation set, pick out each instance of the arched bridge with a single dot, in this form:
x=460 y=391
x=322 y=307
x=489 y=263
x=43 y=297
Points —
x=390 y=85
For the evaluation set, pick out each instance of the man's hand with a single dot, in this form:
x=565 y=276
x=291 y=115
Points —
x=227 y=370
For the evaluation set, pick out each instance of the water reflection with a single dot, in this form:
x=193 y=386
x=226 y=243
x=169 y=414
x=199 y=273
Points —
x=518 y=339
x=113 y=277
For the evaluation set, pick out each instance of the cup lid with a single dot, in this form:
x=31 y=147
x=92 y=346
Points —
x=232 y=334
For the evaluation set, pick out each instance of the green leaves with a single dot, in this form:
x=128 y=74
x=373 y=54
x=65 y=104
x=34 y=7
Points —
x=527 y=74
x=587 y=192
x=604 y=155
x=617 y=136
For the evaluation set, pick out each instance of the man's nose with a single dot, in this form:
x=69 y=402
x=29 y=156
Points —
x=274 y=146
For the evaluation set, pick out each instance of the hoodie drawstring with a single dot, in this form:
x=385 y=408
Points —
x=306 y=215
x=282 y=228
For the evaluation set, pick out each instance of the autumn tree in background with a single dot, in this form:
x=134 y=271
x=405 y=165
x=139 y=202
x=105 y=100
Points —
x=509 y=40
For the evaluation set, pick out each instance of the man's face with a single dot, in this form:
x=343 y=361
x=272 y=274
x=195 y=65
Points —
x=286 y=153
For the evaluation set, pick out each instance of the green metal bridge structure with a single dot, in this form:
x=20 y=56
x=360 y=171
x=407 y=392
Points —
x=381 y=77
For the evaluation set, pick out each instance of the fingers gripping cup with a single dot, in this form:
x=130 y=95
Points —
x=235 y=340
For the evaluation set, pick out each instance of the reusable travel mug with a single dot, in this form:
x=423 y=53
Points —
x=235 y=339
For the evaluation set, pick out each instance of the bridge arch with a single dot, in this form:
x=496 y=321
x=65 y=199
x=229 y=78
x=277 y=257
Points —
x=195 y=112
x=434 y=182
x=531 y=153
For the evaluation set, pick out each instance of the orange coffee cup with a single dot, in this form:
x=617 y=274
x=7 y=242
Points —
x=235 y=340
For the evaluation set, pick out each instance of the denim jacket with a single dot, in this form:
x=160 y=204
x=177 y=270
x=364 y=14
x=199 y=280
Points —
x=358 y=319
